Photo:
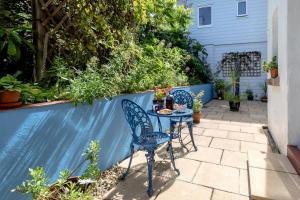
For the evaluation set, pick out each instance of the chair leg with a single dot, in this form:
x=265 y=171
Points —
x=150 y=160
x=190 y=125
x=180 y=138
x=130 y=161
x=172 y=157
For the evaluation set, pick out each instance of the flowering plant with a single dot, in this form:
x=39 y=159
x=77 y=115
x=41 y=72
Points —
x=159 y=93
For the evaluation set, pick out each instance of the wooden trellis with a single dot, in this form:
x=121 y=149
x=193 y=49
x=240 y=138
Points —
x=48 y=17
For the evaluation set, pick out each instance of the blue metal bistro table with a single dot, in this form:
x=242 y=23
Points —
x=175 y=115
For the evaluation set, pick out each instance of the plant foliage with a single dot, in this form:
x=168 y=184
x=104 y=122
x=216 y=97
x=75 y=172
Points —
x=63 y=189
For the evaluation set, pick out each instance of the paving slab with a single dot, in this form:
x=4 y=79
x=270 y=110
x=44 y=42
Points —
x=234 y=159
x=218 y=176
x=271 y=161
x=165 y=169
x=232 y=145
x=261 y=138
x=250 y=129
x=249 y=146
x=240 y=136
x=221 y=195
x=184 y=191
x=268 y=184
x=229 y=127
x=199 y=140
x=244 y=183
x=135 y=186
x=208 y=125
x=206 y=154
x=215 y=133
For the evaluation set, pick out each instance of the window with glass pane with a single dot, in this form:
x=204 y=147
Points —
x=242 y=8
x=204 y=16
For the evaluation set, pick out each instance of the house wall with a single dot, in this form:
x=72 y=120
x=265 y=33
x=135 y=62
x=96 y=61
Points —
x=284 y=42
x=55 y=136
x=293 y=59
x=229 y=33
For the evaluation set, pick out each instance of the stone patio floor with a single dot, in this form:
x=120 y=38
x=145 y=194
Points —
x=218 y=170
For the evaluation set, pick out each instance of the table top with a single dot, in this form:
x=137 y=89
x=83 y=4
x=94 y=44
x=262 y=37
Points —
x=187 y=113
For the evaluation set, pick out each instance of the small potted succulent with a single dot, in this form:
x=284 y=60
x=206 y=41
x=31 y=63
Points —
x=197 y=107
x=249 y=94
x=220 y=88
x=272 y=67
x=10 y=91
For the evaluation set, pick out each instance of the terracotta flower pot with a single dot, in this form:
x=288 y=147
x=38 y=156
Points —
x=196 y=117
x=9 y=97
x=274 y=73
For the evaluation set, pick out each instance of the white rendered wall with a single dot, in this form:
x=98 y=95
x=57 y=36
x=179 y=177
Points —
x=293 y=72
x=284 y=104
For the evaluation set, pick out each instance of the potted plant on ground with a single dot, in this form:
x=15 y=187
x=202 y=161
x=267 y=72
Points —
x=249 y=94
x=233 y=96
x=234 y=101
x=265 y=97
x=272 y=67
x=197 y=107
x=10 y=91
x=220 y=88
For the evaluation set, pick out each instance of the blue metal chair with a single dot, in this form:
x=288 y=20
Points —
x=145 y=138
x=184 y=98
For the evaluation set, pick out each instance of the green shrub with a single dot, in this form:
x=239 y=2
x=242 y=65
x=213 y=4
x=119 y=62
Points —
x=197 y=105
x=219 y=85
x=39 y=187
x=267 y=66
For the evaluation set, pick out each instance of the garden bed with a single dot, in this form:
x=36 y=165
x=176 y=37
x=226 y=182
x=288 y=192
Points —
x=107 y=180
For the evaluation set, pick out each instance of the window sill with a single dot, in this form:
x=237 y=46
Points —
x=241 y=16
x=205 y=26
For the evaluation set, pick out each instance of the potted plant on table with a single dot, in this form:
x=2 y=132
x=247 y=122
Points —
x=10 y=92
x=272 y=67
x=249 y=94
x=197 y=107
x=220 y=88
x=159 y=98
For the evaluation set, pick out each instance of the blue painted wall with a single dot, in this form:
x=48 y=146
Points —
x=55 y=136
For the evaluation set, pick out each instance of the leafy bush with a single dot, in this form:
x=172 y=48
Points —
x=39 y=187
x=10 y=83
x=197 y=105
x=267 y=66
x=219 y=85
x=124 y=47
x=231 y=97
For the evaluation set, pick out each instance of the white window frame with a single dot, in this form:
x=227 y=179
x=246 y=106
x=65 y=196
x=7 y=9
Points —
x=237 y=8
x=211 y=20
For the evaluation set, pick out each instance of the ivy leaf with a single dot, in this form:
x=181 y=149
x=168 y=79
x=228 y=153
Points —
x=11 y=49
x=2 y=32
x=15 y=36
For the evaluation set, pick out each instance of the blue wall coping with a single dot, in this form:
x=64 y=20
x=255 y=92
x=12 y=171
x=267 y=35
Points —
x=55 y=136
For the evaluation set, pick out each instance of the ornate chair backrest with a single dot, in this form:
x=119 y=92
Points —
x=183 y=97
x=138 y=120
